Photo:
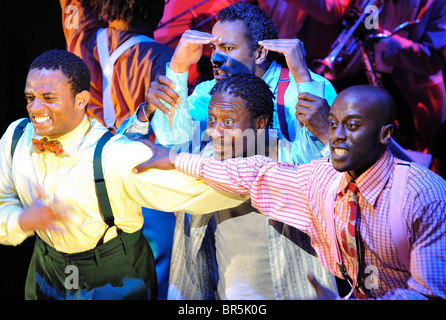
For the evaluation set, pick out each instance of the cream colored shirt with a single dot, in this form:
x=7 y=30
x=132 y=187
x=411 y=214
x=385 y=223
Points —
x=69 y=188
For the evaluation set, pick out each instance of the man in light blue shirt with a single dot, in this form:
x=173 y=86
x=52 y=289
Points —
x=236 y=49
x=237 y=253
x=244 y=39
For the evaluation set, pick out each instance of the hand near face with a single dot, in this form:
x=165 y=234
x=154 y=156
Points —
x=294 y=53
x=187 y=52
x=190 y=49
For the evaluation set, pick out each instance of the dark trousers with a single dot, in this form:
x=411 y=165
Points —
x=122 y=268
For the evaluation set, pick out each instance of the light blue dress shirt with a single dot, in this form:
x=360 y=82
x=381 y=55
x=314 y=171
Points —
x=192 y=113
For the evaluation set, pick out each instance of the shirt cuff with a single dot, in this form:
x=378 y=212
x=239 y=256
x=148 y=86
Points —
x=134 y=125
x=15 y=233
x=190 y=164
x=138 y=125
x=180 y=79
x=313 y=87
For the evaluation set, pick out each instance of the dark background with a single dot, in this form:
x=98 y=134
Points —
x=29 y=28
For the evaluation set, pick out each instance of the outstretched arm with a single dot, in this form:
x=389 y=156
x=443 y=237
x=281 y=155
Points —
x=278 y=190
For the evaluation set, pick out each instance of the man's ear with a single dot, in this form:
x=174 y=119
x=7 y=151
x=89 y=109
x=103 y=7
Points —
x=81 y=99
x=386 y=133
x=261 y=122
x=261 y=54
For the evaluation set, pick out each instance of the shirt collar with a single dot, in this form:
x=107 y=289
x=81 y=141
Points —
x=272 y=74
x=373 y=180
x=71 y=140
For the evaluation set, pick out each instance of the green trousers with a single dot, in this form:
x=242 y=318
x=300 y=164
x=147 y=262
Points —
x=122 y=268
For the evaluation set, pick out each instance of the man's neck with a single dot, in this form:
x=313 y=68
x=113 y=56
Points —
x=265 y=146
x=261 y=69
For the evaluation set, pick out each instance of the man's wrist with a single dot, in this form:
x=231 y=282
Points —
x=178 y=68
x=303 y=77
x=141 y=113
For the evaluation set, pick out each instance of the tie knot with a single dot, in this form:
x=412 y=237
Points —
x=46 y=144
x=352 y=187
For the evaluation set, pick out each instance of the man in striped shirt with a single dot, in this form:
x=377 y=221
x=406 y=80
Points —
x=359 y=133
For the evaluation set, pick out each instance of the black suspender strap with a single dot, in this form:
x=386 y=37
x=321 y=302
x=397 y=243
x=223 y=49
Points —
x=18 y=131
x=101 y=190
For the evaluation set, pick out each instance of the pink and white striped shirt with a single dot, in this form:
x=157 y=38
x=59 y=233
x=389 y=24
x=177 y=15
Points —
x=296 y=196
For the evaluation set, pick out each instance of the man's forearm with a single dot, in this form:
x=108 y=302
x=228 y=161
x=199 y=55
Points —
x=275 y=188
x=179 y=131
x=222 y=175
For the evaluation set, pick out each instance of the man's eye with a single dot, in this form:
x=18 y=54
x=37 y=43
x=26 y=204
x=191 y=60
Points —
x=49 y=98
x=228 y=48
x=352 y=126
x=29 y=99
x=333 y=124
x=228 y=123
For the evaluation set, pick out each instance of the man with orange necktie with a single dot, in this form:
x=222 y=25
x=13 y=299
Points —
x=314 y=199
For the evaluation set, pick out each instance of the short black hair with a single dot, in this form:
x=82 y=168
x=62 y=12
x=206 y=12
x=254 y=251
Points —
x=131 y=11
x=73 y=67
x=254 y=90
x=258 y=25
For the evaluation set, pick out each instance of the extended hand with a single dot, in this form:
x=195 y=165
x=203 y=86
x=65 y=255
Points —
x=294 y=52
x=162 y=158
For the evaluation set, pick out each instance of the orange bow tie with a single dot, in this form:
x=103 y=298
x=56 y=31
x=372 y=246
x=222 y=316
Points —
x=45 y=144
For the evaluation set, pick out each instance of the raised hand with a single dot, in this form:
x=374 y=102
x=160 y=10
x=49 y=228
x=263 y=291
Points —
x=190 y=49
x=187 y=52
x=295 y=56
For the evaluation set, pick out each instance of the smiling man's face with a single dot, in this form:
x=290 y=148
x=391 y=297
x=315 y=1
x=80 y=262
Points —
x=229 y=121
x=51 y=104
x=357 y=133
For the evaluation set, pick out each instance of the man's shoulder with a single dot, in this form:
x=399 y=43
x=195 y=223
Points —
x=319 y=168
x=204 y=87
x=200 y=97
x=426 y=183
x=151 y=50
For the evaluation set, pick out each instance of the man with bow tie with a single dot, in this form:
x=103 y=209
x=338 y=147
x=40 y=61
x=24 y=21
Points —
x=47 y=188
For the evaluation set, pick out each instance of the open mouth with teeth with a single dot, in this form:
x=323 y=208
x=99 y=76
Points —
x=339 y=151
x=219 y=74
x=41 y=119
x=220 y=145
